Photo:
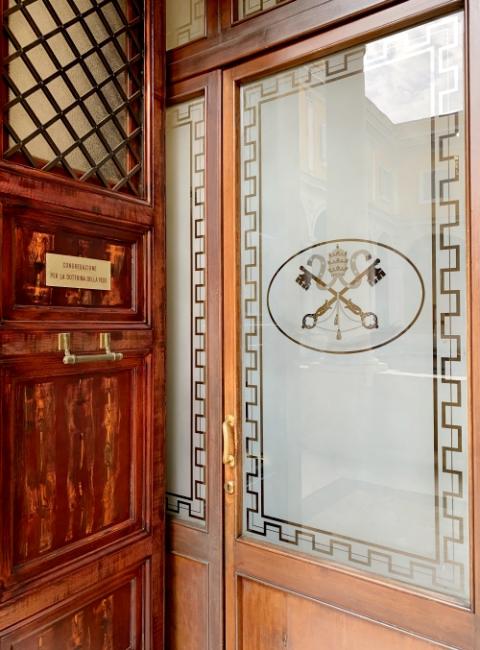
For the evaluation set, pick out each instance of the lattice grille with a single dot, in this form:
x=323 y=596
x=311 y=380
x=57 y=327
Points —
x=74 y=89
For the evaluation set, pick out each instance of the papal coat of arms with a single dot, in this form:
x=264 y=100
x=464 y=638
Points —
x=340 y=305
x=345 y=296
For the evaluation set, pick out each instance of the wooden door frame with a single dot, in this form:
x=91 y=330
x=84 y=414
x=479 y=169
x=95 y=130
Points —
x=228 y=40
x=205 y=545
x=394 y=605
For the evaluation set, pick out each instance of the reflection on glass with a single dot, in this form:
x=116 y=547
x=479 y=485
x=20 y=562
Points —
x=185 y=22
x=354 y=342
x=186 y=317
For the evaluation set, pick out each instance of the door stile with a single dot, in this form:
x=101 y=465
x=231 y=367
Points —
x=473 y=208
x=216 y=608
x=231 y=302
x=155 y=154
x=202 y=547
x=393 y=605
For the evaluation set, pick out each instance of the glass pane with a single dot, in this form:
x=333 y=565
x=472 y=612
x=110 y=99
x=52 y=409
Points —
x=185 y=22
x=246 y=8
x=75 y=90
x=354 y=344
x=186 y=323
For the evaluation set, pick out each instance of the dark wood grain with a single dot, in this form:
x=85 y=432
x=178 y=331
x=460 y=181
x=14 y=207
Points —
x=76 y=441
x=81 y=447
x=108 y=618
x=21 y=343
x=156 y=403
x=70 y=581
x=28 y=235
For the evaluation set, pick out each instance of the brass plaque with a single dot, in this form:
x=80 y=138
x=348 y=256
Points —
x=78 y=272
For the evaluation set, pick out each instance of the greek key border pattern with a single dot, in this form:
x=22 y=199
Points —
x=412 y=567
x=247 y=8
x=193 y=506
x=452 y=365
x=192 y=30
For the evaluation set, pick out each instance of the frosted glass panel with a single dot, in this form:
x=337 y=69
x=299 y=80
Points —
x=186 y=324
x=249 y=7
x=186 y=22
x=354 y=315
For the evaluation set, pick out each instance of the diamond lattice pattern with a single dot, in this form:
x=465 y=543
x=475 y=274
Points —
x=74 y=89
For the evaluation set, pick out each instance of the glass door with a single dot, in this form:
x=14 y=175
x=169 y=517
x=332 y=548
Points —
x=351 y=339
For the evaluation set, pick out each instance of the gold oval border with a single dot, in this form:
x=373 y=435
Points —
x=336 y=241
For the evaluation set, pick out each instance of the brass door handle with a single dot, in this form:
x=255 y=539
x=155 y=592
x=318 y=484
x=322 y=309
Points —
x=228 y=441
x=64 y=342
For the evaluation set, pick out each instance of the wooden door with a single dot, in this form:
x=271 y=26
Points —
x=82 y=255
x=350 y=318
x=194 y=368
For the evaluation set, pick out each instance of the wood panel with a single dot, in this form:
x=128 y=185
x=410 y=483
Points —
x=66 y=429
x=271 y=618
x=68 y=583
x=72 y=460
x=187 y=597
x=30 y=234
x=108 y=619
x=368 y=597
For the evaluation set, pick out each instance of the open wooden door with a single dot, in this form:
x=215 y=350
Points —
x=351 y=248
x=81 y=460
x=194 y=367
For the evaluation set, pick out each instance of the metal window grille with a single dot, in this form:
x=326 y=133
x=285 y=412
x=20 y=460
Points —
x=73 y=89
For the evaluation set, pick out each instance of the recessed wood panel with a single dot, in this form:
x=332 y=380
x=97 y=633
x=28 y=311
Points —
x=271 y=618
x=72 y=446
x=187 y=604
x=28 y=237
x=109 y=619
x=73 y=460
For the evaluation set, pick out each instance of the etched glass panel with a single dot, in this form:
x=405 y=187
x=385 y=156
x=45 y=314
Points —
x=186 y=22
x=354 y=309
x=186 y=317
x=74 y=90
x=246 y=8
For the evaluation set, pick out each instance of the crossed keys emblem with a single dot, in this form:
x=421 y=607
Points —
x=339 y=305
